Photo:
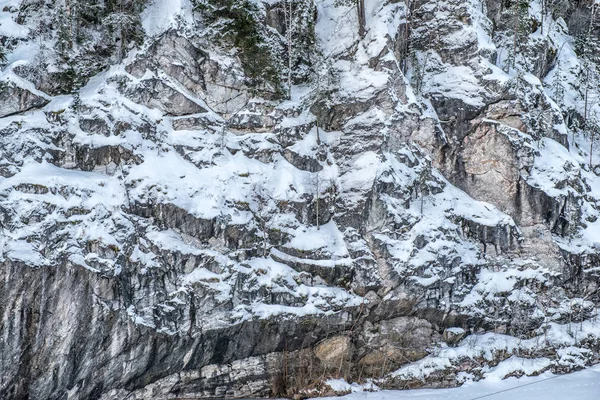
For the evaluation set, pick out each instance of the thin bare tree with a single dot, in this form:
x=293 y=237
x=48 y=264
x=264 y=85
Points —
x=362 y=21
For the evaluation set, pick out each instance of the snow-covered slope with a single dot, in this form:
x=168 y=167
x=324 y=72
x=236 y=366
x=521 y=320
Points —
x=582 y=385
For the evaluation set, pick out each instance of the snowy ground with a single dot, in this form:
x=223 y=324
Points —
x=582 y=385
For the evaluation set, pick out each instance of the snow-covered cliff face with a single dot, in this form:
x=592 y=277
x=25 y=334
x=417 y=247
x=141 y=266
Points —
x=176 y=219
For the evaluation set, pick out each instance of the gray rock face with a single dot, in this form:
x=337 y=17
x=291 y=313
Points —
x=15 y=99
x=221 y=85
x=175 y=229
x=154 y=93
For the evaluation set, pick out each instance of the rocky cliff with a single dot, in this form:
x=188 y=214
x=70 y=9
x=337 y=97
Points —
x=239 y=198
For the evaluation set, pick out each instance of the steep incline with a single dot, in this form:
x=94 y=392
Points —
x=177 y=220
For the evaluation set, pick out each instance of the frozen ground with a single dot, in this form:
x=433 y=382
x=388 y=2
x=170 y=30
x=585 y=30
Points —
x=582 y=385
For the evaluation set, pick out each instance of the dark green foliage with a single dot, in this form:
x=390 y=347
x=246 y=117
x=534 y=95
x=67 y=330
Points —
x=238 y=21
x=91 y=13
x=518 y=11
x=64 y=39
x=587 y=39
x=525 y=25
x=88 y=34
x=303 y=39
x=132 y=6
x=124 y=28
x=123 y=19
x=588 y=47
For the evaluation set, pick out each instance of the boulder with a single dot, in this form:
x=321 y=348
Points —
x=335 y=350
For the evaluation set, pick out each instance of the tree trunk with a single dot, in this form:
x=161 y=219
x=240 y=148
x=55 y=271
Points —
x=289 y=36
x=406 y=47
x=543 y=13
x=318 y=148
x=591 y=147
x=587 y=90
x=69 y=23
x=360 y=8
x=513 y=57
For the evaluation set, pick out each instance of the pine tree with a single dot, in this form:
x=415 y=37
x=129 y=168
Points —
x=70 y=17
x=262 y=206
x=74 y=13
x=588 y=47
x=406 y=37
x=123 y=21
x=239 y=23
x=519 y=13
x=289 y=37
x=64 y=39
x=63 y=47
x=76 y=104
x=299 y=39
x=557 y=86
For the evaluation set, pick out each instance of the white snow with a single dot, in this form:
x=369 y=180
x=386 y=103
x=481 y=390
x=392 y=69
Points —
x=8 y=25
x=160 y=15
x=336 y=27
x=326 y=238
x=341 y=386
x=456 y=82
x=582 y=385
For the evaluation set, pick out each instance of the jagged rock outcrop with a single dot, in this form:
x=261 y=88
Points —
x=16 y=99
x=185 y=224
